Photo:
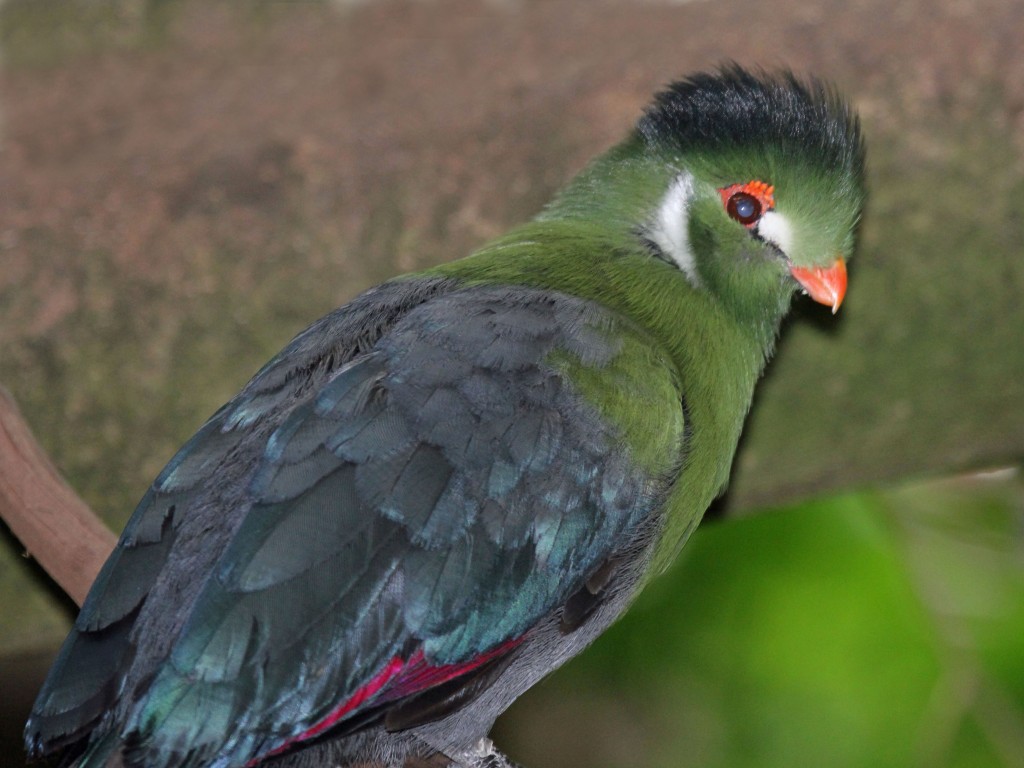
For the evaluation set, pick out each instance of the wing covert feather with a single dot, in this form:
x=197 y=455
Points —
x=499 y=487
x=439 y=492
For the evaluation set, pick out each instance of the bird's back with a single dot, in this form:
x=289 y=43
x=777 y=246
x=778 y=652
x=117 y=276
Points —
x=390 y=508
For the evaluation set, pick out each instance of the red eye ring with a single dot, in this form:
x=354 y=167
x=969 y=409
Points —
x=746 y=203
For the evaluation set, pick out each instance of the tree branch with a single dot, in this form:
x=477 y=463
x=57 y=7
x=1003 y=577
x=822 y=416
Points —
x=56 y=527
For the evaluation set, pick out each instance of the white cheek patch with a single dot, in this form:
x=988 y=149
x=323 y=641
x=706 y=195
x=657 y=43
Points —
x=670 y=230
x=775 y=228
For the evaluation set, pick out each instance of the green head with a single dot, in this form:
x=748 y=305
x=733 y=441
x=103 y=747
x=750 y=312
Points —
x=750 y=184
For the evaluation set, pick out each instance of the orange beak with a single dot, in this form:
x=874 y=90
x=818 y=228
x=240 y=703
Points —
x=826 y=285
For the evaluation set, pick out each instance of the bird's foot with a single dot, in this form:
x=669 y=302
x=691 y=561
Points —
x=497 y=760
x=485 y=755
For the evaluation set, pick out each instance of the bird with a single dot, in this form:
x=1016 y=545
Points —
x=442 y=491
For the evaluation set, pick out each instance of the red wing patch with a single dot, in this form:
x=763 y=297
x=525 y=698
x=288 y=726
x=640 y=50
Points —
x=398 y=679
x=418 y=675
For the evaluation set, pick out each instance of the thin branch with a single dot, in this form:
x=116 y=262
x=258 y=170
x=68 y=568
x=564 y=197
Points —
x=56 y=527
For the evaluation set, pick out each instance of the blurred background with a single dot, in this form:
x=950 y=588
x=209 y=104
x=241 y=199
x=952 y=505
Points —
x=185 y=184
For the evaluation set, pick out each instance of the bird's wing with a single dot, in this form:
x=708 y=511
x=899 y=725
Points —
x=85 y=676
x=438 y=497
x=88 y=675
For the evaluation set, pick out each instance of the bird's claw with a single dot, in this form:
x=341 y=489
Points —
x=485 y=755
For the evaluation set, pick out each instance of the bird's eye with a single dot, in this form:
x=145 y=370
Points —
x=746 y=209
x=746 y=203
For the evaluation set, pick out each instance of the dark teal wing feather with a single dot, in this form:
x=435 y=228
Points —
x=438 y=493
x=189 y=509
x=87 y=673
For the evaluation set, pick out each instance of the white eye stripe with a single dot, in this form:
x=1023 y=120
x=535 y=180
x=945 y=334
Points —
x=775 y=228
x=670 y=230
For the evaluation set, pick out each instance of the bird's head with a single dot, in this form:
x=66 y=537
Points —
x=764 y=190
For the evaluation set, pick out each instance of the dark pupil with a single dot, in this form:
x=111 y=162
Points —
x=744 y=208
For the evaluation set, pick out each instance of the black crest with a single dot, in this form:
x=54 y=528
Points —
x=733 y=108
